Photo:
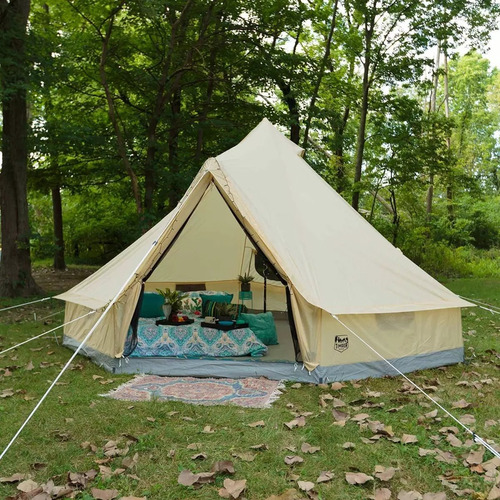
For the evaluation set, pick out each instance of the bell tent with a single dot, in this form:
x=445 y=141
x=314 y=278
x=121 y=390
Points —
x=260 y=205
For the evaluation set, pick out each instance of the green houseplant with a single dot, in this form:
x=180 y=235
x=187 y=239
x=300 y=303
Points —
x=173 y=301
x=245 y=281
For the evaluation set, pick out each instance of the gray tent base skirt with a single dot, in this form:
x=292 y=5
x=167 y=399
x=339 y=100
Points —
x=276 y=370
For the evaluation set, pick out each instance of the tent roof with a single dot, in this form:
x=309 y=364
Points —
x=329 y=253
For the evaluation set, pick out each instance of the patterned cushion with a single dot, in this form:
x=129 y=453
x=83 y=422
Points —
x=217 y=297
x=191 y=304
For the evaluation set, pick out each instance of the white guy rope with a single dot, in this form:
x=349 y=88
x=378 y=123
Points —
x=25 y=304
x=475 y=437
x=490 y=308
x=45 y=333
x=82 y=343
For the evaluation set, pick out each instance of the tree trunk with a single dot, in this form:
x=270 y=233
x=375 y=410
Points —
x=432 y=109
x=15 y=266
x=122 y=147
x=174 y=193
x=360 y=145
x=321 y=73
x=59 y=262
x=293 y=109
x=449 y=185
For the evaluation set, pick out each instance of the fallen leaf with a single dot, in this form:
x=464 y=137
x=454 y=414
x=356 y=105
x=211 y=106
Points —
x=104 y=494
x=453 y=440
x=245 y=456
x=29 y=366
x=338 y=403
x=348 y=446
x=467 y=419
x=424 y=452
x=325 y=476
x=233 y=488
x=434 y=496
x=336 y=386
x=307 y=448
x=27 y=486
x=151 y=419
x=259 y=423
x=293 y=459
x=461 y=404
x=475 y=457
x=15 y=478
x=260 y=447
x=494 y=493
x=381 y=494
x=409 y=439
x=199 y=456
x=409 y=495
x=445 y=456
x=194 y=446
x=296 y=386
x=296 y=422
x=305 y=485
x=187 y=478
x=383 y=473
x=223 y=467
x=340 y=416
x=360 y=417
x=207 y=430
x=357 y=478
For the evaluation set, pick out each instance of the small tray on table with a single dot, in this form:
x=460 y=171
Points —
x=174 y=323
x=225 y=328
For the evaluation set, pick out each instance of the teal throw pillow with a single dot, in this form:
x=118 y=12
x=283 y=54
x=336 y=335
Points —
x=224 y=298
x=151 y=306
x=263 y=326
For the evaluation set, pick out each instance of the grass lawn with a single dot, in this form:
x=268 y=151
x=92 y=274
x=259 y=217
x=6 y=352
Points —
x=160 y=433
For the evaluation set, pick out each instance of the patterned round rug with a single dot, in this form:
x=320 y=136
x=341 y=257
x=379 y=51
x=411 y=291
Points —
x=247 y=392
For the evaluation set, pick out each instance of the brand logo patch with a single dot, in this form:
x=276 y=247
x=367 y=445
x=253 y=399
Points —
x=341 y=343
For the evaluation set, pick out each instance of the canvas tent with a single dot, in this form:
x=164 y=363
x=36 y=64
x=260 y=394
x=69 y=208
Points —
x=262 y=197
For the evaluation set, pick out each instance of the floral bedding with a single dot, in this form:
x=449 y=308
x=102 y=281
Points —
x=192 y=341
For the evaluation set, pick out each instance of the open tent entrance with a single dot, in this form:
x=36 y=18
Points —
x=209 y=253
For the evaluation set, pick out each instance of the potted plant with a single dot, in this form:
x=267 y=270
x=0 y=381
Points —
x=173 y=301
x=245 y=281
x=225 y=312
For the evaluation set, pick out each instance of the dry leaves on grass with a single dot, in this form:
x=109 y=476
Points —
x=307 y=448
x=356 y=478
x=245 y=456
x=384 y=473
x=409 y=439
x=461 y=404
x=259 y=423
x=293 y=459
x=233 y=489
x=104 y=494
x=305 y=485
x=296 y=422
x=325 y=476
x=381 y=494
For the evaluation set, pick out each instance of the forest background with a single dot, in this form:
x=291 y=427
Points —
x=392 y=101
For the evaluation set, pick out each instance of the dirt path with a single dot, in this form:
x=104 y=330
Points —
x=60 y=281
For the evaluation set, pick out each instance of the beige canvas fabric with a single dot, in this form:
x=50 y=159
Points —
x=334 y=261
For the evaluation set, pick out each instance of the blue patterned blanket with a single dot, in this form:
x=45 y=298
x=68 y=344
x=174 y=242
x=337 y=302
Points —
x=193 y=341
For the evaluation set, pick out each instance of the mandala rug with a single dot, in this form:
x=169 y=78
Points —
x=246 y=392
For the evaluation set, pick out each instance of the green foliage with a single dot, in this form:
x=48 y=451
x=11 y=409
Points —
x=172 y=297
